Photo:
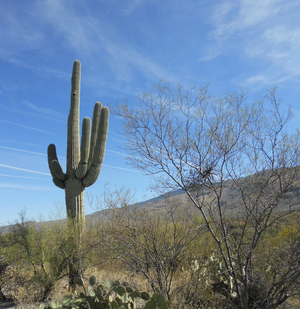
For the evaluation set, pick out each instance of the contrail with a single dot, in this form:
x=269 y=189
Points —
x=15 y=149
x=27 y=127
x=43 y=154
x=23 y=169
x=121 y=168
x=47 y=111
x=23 y=177
x=21 y=150
x=30 y=188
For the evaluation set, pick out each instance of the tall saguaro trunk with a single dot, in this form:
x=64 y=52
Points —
x=73 y=186
x=83 y=163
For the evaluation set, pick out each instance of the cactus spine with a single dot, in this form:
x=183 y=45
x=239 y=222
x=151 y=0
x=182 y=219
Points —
x=83 y=163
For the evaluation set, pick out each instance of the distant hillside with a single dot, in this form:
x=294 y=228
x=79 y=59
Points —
x=231 y=199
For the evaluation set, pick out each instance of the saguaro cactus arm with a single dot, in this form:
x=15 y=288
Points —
x=55 y=169
x=99 y=150
x=84 y=149
x=95 y=126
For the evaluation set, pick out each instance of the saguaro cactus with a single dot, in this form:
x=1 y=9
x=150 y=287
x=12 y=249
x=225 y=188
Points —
x=84 y=165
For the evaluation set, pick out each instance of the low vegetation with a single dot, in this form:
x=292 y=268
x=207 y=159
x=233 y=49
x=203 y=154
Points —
x=135 y=253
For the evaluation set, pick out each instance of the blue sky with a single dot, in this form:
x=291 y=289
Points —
x=123 y=46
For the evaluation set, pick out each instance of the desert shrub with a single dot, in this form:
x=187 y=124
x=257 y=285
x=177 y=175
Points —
x=154 y=245
x=171 y=250
x=40 y=253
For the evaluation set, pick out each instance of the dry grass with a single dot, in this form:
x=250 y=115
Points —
x=26 y=294
x=202 y=298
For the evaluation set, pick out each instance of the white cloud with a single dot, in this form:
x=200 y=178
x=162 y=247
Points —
x=264 y=80
x=28 y=188
x=90 y=36
x=31 y=152
x=23 y=169
x=27 y=127
x=74 y=25
x=267 y=31
x=121 y=168
x=42 y=154
x=117 y=152
x=253 y=12
x=7 y=141
x=20 y=150
x=123 y=154
x=29 y=113
x=131 y=5
x=230 y=17
x=23 y=177
x=210 y=55
x=17 y=34
x=67 y=23
x=46 y=111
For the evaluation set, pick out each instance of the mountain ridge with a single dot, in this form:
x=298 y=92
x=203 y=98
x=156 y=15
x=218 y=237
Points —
x=231 y=200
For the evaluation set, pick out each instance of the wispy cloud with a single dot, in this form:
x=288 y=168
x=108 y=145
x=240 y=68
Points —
x=20 y=150
x=23 y=169
x=82 y=33
x=26 y=151
x=30 y=113
x=212 y=54
x=8 y=87
x=41 y=173
x=131 y=5
x=22 y=177
x=117 y=152
x=28 y=188
x=42 y=154
x=117 y=140
x=46 y=111
x=264 y=30
x=123 y=154
x=121 y=168
x=124 y=59
x=19 y=34
x=231 y=17
x=92 y=35
x=18 y=143
x=121 y=137
x=40 y=70
x=27 y=127
x=21 y=31
x=264 y=79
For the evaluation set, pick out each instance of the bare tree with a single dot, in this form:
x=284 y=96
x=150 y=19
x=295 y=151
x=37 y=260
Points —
x=233 y=160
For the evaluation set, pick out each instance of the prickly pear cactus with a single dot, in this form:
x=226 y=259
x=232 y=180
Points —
x=83 y=163
x=111 y=295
